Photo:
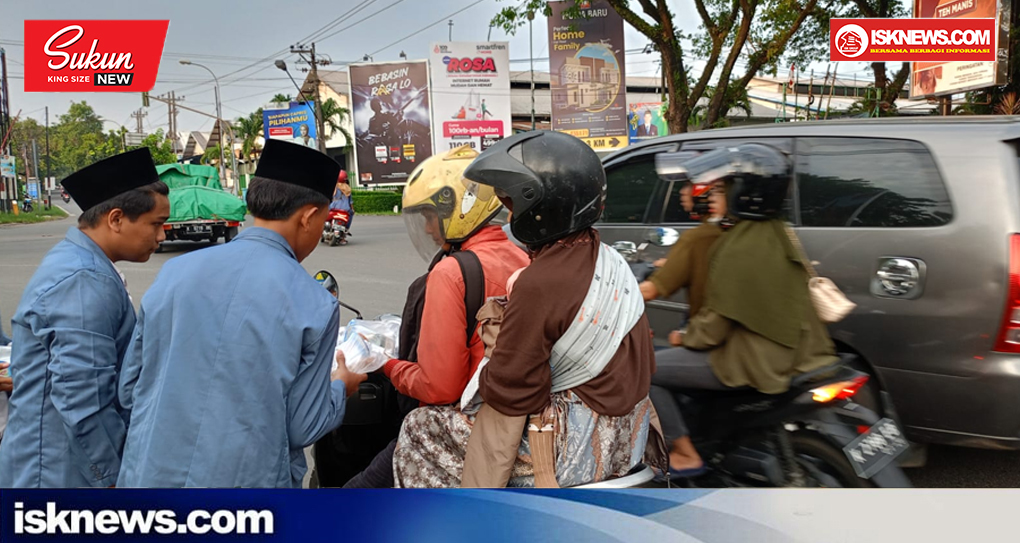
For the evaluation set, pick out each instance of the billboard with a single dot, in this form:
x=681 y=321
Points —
x=293 y=122
x=947 y=78
x=392 y=123
x=645 y=121
x=7 y=166
x=470 y=94
x=586 y=60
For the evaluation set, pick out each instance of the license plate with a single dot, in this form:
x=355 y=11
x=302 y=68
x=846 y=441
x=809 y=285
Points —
x=877 y=448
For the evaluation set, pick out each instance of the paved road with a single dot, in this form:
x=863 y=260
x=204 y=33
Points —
x=374 y=271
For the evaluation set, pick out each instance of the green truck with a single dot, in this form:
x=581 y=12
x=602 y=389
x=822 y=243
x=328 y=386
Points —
x=200 y=210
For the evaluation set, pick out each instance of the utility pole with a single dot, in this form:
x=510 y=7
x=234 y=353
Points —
x=320 y=131
x=171 y=100
x=47 y=143
x=139 y=115
x=5 y=125
x=531 y=49
x=451 y=30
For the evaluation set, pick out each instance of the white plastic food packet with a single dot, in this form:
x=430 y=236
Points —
x=368 y=345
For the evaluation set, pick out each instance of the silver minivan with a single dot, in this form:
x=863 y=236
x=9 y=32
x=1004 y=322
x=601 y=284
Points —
x=918 y=222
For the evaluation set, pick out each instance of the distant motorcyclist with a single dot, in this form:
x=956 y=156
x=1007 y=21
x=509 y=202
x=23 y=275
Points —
x=757 y=326
x=342 y=200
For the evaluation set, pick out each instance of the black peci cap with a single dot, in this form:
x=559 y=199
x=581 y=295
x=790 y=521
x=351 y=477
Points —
x=95 y=184
x=298 y=165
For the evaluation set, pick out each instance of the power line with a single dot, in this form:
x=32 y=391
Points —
x=317 y=35
x=423 y=29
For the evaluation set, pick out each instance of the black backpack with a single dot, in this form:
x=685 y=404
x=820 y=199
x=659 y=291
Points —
x=374 y=415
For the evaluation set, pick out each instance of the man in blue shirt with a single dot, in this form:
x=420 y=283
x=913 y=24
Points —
x=228 y=376
x=72 y=328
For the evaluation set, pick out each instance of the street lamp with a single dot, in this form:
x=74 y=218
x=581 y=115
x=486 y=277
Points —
x=219 y=119
x=403 y=55
x=283 y=66
x=368 y=58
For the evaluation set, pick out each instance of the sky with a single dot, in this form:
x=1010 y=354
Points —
x=240 y=39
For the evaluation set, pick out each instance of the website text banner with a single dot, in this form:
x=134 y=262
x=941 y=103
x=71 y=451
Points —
x=93 y=55
x=588 y=74
x=470 y=94
x=392 y=123
x=497 y=516
x=930 y=78
x=908 y=40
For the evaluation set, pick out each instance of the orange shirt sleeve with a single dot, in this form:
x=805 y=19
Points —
x=444 y=360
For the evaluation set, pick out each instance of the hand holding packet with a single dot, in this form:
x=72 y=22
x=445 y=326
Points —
x=368 y=345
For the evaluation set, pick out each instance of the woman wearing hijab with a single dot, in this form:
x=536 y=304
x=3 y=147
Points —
x=758 y=327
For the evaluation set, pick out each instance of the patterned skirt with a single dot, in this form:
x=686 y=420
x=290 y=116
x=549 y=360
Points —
x=588 y=447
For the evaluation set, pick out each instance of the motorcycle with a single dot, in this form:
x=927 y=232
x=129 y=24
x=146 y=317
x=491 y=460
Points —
x=334 y=231
x=370 y=422
x=813 y=435
x=66 y=197
x=27 y=206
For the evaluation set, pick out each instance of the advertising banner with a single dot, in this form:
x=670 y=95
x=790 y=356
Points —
x=586 y=60
x=392 y=122
x=470 y=94
x=33 y=188
x=935 y=78
x=7 y=166
x=293 y=123
x=93 y=55
x=645 y=121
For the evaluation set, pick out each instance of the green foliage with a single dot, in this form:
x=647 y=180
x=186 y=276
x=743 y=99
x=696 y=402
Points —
x=249 y=129
x=375 y=201
x=333 y=115
x=161 y=148
x=38 y=214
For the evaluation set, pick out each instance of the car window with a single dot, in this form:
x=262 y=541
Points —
x=630 y=191
x=869 y=182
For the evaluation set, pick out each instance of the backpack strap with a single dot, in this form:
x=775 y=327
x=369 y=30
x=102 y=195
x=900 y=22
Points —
x=474 y=288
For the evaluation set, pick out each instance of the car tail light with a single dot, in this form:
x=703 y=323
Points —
x=1009 y=332
x=838 y=391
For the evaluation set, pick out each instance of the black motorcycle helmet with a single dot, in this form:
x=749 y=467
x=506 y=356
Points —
x=757 y=178
x=670 y=167
x=554 y=182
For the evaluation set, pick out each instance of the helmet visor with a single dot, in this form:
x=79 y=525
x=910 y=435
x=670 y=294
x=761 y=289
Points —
x=425 y=230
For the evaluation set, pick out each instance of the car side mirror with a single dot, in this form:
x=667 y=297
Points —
x=664 y=237
x=327 y=280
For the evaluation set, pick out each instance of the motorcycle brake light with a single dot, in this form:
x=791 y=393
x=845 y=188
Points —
x=838 y=391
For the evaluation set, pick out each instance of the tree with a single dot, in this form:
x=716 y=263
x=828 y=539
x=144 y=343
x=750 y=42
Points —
x=727 y=24
x=333 y=115
x=286 y=98
x=211 y=155
x=249 y=129
x=161 y=148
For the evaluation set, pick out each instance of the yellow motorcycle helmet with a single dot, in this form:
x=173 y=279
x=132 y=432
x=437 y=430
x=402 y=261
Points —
x=441 y=208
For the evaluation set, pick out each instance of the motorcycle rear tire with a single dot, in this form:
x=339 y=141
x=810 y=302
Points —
x=818 y=448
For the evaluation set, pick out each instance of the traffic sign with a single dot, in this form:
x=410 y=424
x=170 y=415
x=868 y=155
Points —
x=606 y=143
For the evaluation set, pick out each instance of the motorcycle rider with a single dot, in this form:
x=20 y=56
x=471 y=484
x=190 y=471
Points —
x=687 y=263
x=342 y=201
x=445 y=216
x=757 y=326
x=587 y=381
